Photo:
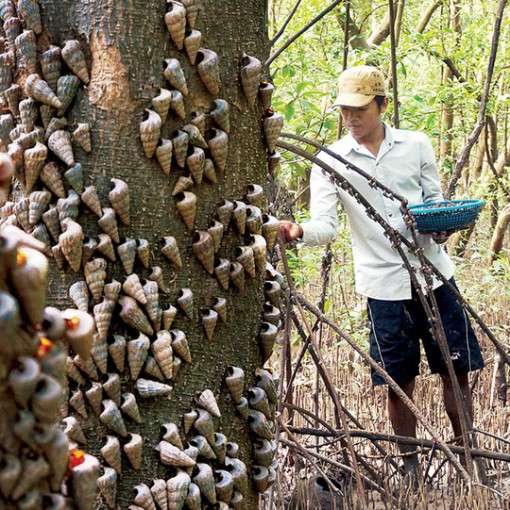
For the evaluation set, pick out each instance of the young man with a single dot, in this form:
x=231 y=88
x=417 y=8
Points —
x=404 y=161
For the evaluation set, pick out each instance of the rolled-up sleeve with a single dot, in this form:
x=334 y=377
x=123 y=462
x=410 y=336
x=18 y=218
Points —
x=323 y=222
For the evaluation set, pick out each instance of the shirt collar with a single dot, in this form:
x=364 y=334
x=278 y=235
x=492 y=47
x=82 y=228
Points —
x=391 y=136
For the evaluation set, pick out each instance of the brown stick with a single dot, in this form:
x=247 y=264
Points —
x=475 y=133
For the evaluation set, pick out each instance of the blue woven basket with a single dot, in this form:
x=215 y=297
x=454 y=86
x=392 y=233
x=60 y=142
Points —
x=446 y=215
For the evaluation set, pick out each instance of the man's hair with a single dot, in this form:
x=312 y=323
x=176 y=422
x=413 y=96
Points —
x=379 y=100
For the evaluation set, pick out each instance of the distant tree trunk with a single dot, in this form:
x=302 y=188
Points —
x=125 y=46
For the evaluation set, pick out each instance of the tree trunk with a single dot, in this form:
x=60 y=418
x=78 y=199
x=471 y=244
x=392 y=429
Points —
x=125 y=46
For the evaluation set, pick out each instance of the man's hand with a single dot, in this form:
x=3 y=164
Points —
x=290 y=231
x=441 y=237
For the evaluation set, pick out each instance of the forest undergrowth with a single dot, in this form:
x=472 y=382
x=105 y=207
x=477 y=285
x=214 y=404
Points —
x=308 y=449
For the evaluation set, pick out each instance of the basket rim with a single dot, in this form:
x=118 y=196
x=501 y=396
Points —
x=461 y=204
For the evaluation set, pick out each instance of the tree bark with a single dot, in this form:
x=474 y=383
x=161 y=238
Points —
x=125 y=46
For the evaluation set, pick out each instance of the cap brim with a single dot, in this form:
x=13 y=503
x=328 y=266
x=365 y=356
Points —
x=352 y=100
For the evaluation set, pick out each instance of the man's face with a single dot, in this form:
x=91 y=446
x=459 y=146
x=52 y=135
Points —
x=365 y=120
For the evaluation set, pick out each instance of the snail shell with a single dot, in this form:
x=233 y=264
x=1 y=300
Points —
x=255 y=195
x=180 y=143
x=150 y=131
x=7 y=10
x=157 y=276
x=175 y=75
x=177 y=104
x=209 y=70
x=266 y=90
x=187 y=207
x=180 y=345
x=170 y=455
x=195 y=163
x=112 y=290
x=31 y=14
x=263 y=451
x=216 y=232
x=150 y=389
x=158 y=491
x=51 y=64
x=95 y=396
x=26 y=48
x=220 y=306
x=111 y=386
x=39 y=201
x=69 y=207
x=9 y=474
x=236 y=503
x=28 y=113
x=133 y=287
x=107 y=484
x=195 y=135
x=37 y=88
x=259 y=247
x=273 y=124
x=189 y=419
x=112 y=418
x=177 y=489
x=251 y=70
x=119 y=198
x=175 y=21
x=34 y=162
x=59 y=143
x=218 y=145
x=185 y=301
x=51 y=177
x=143 y=498
x=6 y=63
x=134 y=450
x=222 y=272
x=194 y=498
x=183 y=183
x=86 y=365
x=137 y=351
x=209 y=321
x=261 y=478
x=237 y=275
x=129 y=407
x=161 y=103
x=99 y=352
x=82 y=135
x=204 y=479
x=12 y=96
x=169 y=316
x=151 y=368
x=207 y=401
x=117 y=351
x=164 y=151
x=254 y=219
x=258 y=400
x=244 y=255
x=111 y=453
x=237 y=469
x=73 y=430
x=220 y=114
x=234 y=380
x=46 y=398
x=224 y=211
x=163 y=354
x=95 y=275
x=33 y=471
x=127 y=254
x=79 y=294
x=91 y=199
x=23 y=379
x=75 y=59
x=151 y=291
x=171 y=435
x=171 y=251
x=143 y=252
x=265 y=381
x=270 y=227
x=224 y=485
x=73 y=373
x=192 y=10
x=74 y=177
x=105 y=247
x=67 y=86
x=209 y=171
x=203 y=247
x=192 y=43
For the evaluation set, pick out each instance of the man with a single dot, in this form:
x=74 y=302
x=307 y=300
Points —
x=404 y=161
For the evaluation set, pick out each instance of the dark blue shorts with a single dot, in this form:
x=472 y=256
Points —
x=396 y=328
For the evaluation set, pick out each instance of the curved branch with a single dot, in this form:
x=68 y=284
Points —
x=285 y=23
x=473 y=137
x=310 y=24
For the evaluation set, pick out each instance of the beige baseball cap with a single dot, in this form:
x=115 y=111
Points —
x=358 y=85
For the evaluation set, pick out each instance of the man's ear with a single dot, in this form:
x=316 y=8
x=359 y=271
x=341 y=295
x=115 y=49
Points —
x=384 y=104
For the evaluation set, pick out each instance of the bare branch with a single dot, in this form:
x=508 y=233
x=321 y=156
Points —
x=285 y=23
x=289 y=41
x=427 y=15
x=475 y=133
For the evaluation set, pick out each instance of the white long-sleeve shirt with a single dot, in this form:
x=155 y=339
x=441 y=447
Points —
x=406 y=164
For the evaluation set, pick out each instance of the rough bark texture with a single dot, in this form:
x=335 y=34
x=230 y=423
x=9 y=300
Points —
x=125 y=45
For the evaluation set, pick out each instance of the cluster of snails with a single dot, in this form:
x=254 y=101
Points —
x=206 y=467
x=37 y=460
x=258 y=409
